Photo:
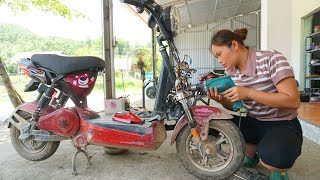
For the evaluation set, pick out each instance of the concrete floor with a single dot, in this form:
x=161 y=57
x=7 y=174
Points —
x=159 y=164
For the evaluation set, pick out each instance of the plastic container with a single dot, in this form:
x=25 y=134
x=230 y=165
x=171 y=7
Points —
x=222 y=84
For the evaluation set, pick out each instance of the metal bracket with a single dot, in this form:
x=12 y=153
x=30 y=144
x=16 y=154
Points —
x=27 y=132
x=22 y=124
x=43 y=135
x=88 y=157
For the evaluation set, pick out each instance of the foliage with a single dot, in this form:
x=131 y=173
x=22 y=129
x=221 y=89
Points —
x=53 y=6
x=131 y=86
x=122 y=47
x=15 y=39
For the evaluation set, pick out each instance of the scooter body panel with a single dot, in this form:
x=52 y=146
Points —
x=104 y=131
x=30 y=107
x=64 y=122
x=203 y=115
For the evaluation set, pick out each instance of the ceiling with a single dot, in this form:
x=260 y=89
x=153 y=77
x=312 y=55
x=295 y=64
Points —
x=198 y=12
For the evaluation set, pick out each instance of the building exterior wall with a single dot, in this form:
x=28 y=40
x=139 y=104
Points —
x=282 y=29
x=276 y=26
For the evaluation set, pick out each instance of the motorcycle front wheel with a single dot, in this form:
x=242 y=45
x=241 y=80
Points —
x=114 y=151
x=30 y=149
x=218 y=157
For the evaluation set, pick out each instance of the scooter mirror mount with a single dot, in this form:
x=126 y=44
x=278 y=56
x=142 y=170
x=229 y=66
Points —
x=139 y=9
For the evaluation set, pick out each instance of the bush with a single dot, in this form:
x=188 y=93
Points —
x=11 y=68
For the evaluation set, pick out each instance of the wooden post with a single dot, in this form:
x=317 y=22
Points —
x=109 y=79
x=14 y=97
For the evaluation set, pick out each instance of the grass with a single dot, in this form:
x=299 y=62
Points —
x=132 y=86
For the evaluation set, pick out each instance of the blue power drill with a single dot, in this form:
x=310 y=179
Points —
x=222 y=84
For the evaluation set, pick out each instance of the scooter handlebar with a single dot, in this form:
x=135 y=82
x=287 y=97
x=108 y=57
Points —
x=132 y=2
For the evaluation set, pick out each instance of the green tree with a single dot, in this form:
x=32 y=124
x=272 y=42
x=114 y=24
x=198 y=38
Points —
x=53 y=6
x=122 y=48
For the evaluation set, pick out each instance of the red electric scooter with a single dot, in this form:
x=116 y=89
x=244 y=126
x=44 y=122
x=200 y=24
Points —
x=208 y=144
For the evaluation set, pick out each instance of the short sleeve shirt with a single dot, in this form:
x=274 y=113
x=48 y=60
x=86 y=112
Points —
x=265 y=69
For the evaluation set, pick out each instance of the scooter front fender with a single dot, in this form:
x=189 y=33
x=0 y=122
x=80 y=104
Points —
x=202 y=115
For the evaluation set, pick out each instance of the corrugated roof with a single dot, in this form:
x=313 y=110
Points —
x=198 y=12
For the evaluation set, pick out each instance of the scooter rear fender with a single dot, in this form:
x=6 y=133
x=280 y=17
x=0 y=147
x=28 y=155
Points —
x=29 y=107
x=202 y=115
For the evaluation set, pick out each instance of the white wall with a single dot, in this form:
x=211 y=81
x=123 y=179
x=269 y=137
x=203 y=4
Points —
x=276 y=23
x=300 y=8
x=281 y=29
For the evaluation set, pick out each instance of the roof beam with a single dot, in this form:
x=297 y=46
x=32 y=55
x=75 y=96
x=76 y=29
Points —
x=236 y=12
x=215 y=8
x=188 y=10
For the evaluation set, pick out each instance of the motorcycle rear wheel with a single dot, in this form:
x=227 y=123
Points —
x=222 y=152
x=30 y=149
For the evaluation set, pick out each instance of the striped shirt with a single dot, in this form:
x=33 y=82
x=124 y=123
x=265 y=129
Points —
x=263 y=72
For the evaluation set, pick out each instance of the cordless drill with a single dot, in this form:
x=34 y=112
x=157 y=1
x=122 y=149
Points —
x=222 y=84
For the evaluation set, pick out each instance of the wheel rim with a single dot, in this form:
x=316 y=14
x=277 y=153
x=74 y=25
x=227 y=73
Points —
x=151 y=92
x=29 y=145
x=214 y=154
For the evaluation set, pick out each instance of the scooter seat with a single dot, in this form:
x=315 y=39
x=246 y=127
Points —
x=67 y=64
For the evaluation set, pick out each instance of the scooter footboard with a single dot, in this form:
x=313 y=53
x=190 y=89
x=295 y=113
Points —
x=106 y=132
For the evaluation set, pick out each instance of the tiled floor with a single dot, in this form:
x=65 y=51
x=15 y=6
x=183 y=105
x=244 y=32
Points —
x=310 y=112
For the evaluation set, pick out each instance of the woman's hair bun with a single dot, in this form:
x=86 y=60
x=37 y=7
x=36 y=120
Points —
x=242 y=33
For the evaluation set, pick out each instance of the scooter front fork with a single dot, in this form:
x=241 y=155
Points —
x=191 y=121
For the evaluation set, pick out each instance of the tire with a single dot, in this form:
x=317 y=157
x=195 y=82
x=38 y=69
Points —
x=151 y=92
x=219 y=130
x=42 y=151
x=114 y=151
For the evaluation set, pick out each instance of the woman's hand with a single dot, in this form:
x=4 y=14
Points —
x=213 y=94
x=236 y=93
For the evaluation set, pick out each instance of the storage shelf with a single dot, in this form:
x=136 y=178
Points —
x=314 y=50
x=316 y=93
x=311 y=72
x=313 y=34
x=315 y=78
x=315 y=64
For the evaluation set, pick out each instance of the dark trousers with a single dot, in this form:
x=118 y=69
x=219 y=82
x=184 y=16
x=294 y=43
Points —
x=279 y=142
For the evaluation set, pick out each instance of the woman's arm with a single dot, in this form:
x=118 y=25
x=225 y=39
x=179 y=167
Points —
x=287 y=96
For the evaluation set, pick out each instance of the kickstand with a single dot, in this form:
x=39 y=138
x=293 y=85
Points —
x=88 y=157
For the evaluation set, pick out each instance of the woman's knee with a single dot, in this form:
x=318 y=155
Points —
x=279 y=149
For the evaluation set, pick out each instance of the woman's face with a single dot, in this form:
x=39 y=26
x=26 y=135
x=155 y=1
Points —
x=227 y=56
